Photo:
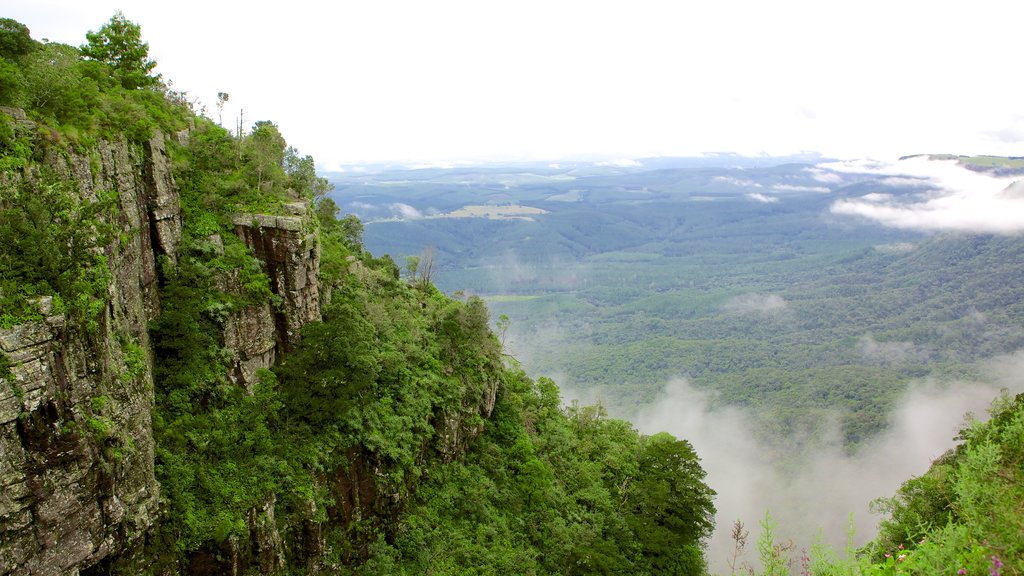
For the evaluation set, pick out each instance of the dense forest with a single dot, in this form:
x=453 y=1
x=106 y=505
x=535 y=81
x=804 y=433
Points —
x=633 y=277
x=392 y=435
x=394 y=428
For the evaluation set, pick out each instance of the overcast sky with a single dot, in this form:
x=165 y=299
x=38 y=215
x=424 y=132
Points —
x=352 y=82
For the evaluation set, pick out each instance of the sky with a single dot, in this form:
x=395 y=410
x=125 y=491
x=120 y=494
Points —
x=447 y=81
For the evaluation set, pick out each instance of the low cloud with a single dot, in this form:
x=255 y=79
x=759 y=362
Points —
x=739 y=182
x=619 y=163
x=756 y=304
x=509 y=274
x=824 y=176
x=762 y=198
x=818 y=494
x=895 y=247
x=796 y=188
x=405 y=212
x=958 y=200
x=891 y=352
x=906 y=182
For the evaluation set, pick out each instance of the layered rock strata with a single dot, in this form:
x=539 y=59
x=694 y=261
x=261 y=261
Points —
x=76 y=442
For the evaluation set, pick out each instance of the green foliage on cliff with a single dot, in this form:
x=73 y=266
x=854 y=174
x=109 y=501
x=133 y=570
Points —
x=376 y=429
x=51 y=234
x=104 y=89
x=965 y=511
x=35 y=220
x=394 y=437
x=553 y=491
x=118 y=44
x=5 y=367
x=367 y=421
x=961 y=517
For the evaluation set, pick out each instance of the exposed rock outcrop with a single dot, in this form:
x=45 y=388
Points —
x=289 y=248
x=251 y=335
x=76 y=472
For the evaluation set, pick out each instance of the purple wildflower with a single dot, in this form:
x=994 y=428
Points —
x=996 y=565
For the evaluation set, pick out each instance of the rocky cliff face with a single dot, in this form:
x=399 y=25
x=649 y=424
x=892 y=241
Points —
x=289 y=248
x=76 y=444
x=77 y=482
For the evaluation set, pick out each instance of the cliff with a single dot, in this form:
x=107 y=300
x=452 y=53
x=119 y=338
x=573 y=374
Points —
x=75 y=417
x=77 y=480
x=290 y=251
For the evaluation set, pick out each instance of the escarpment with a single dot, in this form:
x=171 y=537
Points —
x=289 y=249
x=80 y=411
x=204 y=371
x=76 y=473
x=77 y=480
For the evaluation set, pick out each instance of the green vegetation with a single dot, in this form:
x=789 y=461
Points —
x=5 y=367
x=966 y=510
x=119 y=45
x=395 y=430
x=961 y=517
x=71 y=97
x=35 y=218
x=396 y=437
x=394 y=380
x=105 y=89
x=660 y=274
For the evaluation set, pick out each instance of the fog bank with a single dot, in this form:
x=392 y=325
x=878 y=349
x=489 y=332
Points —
x=828 y=485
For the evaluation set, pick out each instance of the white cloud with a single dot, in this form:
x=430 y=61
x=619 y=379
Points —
x=891 y=352
x=756 y=304
x=959 y=200
x=906 y=182
x=739 y=182
x=795 y=188
x=876 y=197
x=762 y=198
x=895 y=247
x=619 y=163
x=829 y=484
x=405 y=212
x=824 y=176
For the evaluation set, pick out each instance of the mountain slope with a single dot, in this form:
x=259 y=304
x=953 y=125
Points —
x=203 y=371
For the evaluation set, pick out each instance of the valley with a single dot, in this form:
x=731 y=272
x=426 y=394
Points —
x=738 y=306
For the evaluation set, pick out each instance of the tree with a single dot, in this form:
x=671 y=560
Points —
x=118 y=43
x=54 y=85
x=12 y=84
x=669 y=507
x=15 y=39
x=301 y=172
x=265 y=151
x=222 y=98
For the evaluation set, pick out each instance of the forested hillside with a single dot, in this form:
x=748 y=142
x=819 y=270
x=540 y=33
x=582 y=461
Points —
x=731 y=301
x=205 y=372
x=633 y=277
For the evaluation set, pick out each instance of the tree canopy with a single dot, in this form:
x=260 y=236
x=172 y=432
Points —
x=15 y=39
x=119 y=44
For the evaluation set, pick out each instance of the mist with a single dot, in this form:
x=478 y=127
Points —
x=754 y=303
x=828 y=485
x=887 y=353
x=508 y=273
x=953 y=198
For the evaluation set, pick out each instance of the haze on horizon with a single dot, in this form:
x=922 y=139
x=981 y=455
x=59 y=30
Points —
x=404 y=81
